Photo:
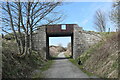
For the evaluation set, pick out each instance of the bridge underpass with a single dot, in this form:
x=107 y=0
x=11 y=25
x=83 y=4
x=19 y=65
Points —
x=57 y=47
x=80 y=39
x=58 y=31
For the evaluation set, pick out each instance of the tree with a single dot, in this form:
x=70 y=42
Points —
x=100 y=21
x=24 y=18
x=115 y=14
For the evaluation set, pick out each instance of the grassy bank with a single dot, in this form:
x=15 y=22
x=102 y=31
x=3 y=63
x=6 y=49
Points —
x=74 y=61
x=102 y=58
x=46 y=65
x=38 y=73
x=26 y=67
x=81 y=67
x=16 y=67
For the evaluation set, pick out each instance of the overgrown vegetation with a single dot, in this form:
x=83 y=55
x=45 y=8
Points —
x=16 y=67
x=38 y=73
x=24 y=18
x=89 y=52
x=102 y=58
x=75 y=62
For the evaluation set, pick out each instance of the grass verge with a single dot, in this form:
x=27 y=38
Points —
x=81 y=67
x=68 y=56
x=39 y=73
x=87 y=54
x=47 y=65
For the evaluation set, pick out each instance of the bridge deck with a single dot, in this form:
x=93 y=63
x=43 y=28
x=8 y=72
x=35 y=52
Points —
x=60 y=30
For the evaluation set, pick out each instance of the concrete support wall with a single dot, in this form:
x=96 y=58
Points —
x=79 y=44
x=39 y=41
x=82 y=40
x=91 y=38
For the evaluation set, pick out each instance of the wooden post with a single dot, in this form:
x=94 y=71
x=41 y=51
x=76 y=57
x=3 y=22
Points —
x=108 y=30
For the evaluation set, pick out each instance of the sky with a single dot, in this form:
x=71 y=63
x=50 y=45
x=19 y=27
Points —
x=81 y=13
x=59 y=41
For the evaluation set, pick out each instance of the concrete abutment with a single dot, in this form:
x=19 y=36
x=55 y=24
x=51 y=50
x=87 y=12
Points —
x=80 y=40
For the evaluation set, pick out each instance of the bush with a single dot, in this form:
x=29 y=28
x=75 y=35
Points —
x=15 y=67
x=89 y=52
x=102 y=58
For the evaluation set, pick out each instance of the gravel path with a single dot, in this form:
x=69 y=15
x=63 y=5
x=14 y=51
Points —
x=63 y=68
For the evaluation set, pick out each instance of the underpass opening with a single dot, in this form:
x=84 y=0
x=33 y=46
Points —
x=60 y=47
x=42 y=34
x=59 y=30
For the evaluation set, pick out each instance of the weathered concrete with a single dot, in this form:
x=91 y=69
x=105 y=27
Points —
x=79 y=44
x=81 y=40
x=39 y=41
x=91 y=37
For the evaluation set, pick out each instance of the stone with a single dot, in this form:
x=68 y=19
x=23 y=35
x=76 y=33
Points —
x=82 y=40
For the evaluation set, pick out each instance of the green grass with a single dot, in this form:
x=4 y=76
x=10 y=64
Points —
x=106 y=35
x=13 y=66
x=74 y=61
x=81 y=67
x=67 y=56
x=52 y=57
x=87 y=54
x=45 y=67
x=115 y=65
x=38 y=75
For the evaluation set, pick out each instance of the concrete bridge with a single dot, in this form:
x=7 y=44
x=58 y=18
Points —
x=80 y=39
